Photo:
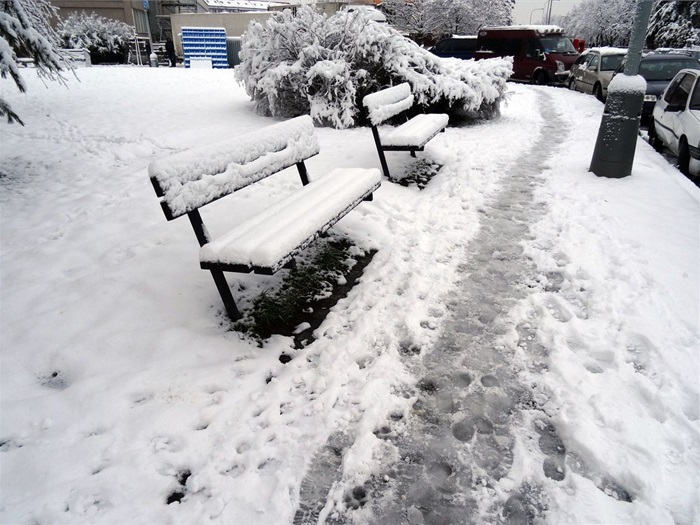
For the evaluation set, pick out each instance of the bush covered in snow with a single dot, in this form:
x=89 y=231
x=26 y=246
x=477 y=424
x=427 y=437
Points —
x=323 y=66
x=104 y=38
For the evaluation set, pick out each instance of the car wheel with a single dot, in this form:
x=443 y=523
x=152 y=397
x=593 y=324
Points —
x=684 y=157
x=540 y=78
x=654 y=139
x=598 y=92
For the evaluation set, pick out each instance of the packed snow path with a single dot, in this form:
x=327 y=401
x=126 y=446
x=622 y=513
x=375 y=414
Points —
x=457 y=439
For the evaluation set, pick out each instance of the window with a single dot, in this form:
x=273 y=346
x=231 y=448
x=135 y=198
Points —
x=531 y=48
x=581 y=59
x=665 y=69
x=442 y=46
x=593 y=64
x=491 y=46
x=695 y=99
x=671 y=89
x=558 y=44
x=140 y=21
x=680 y=95
x=465 y=44
x=611 y=62
x=511 y=47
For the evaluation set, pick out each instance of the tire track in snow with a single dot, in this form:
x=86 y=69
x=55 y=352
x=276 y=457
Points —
x=458 y=441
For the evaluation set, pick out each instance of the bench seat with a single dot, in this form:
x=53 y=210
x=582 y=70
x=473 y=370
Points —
x=269 y=240
x=416 y=132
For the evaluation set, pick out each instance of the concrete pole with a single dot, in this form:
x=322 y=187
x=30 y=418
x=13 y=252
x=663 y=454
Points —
x=617 y=137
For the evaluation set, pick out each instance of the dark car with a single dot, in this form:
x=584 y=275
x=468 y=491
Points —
x=457 y=47
x=658 y=70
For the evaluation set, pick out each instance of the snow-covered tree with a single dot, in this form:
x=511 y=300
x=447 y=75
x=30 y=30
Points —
x=99 y=35
x=323 y=66
x=429 y=20
x=600 y=22
x=674 y=24
x=25 y=29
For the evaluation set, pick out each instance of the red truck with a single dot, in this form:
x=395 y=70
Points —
x=541 y=54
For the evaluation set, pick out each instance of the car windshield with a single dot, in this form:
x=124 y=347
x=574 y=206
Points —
x=558 y=44
x=611 y=62
x=665 y=69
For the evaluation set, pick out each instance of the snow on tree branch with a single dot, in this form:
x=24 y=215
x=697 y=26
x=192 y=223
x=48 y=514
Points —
x=430 y=20
x=674 y=24
x=24 y=28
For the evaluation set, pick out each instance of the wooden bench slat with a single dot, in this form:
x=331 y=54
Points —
x=417 y=131
x=269 y=240
x=186 y=182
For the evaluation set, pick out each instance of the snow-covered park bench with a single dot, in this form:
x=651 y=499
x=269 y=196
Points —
x=269 y=240
x=411 y=136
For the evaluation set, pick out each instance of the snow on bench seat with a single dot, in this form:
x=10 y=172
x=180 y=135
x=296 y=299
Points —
x=411 y=136
x=270 y=239
x=416 y=132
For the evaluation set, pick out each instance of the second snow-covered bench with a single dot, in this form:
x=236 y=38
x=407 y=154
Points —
x=411 y=136
x=269 y=240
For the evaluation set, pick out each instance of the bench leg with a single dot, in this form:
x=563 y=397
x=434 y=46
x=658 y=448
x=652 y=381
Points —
x=226 y=296
x=382 y=158
x=413 y=153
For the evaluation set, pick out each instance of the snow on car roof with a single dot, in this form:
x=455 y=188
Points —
x=542 y=29
x=609 y=50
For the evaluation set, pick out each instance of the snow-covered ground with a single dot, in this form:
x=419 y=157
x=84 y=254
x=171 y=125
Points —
x=539 y=324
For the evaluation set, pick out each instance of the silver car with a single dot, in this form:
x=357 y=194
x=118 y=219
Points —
x=592 y=71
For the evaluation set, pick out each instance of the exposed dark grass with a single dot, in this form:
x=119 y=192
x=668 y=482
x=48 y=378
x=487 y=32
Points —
x=306 y=294
x=418 y=173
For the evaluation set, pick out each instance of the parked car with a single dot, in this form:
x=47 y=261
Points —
x=658 y=70
x=676 y=120
x=541 y=54
x=593 y=70
x=695 y=53
x=457 y=47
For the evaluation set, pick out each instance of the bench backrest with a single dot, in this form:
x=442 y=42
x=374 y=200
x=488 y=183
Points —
x=191 y=179
x=388 y=103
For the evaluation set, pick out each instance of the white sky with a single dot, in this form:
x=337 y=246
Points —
x=531 y=11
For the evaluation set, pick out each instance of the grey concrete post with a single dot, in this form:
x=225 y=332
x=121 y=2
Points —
x=617 y=137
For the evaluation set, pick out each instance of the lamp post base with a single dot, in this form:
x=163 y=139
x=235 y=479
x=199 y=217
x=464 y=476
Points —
x=617 y=137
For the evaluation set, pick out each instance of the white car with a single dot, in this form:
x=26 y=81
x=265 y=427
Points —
x=676 y=120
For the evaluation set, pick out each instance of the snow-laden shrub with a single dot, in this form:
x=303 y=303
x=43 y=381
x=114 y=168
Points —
x=101 y=36
x=309 y=63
